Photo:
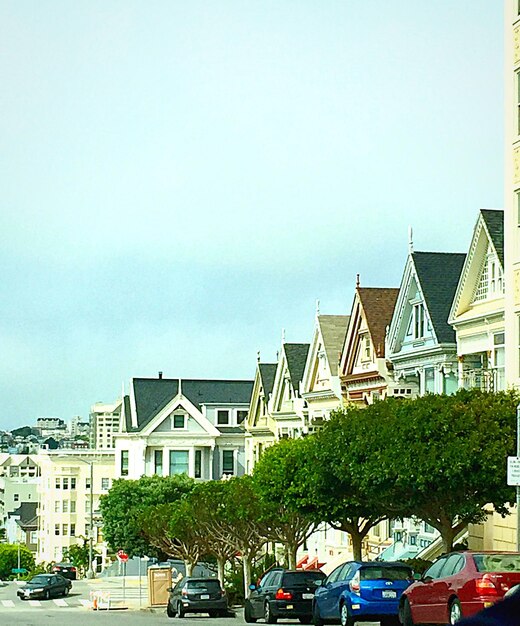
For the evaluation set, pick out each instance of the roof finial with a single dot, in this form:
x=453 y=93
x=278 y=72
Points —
x=258 y=356
x=283 y=336
x=357 y=280
x=317 y=307
x=410 y=239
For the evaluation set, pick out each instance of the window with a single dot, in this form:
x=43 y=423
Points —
x=366 y=347
x=222 y=417
x=73 y=483
x=65 y=506
x=158 y=462
x=65 y=483
x=58 y=483
x=73 y=506
x=124 y=462
x=434 y=570
x=241 y=416
x=428 y=528
x=413 y=540
x=73 y=530
x=429 y=380
x=105 y=484
x=198 y=463
x=87 y=505
x=56 y=529
x=178 y=462
x=56 y=506
x=178 y=421
x=228 y=462
x=418 y=321
x=65 y=529
x=499 y=361
x=87 y=483
x=491 y=282
x=16 y=497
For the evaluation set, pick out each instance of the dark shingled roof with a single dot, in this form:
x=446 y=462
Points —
x=333 y=331
x=267 y=375
x=153 y=394
x=378 y=305
x=27 y=513
x=438 y=274
x=494 y=220
x=296 y=355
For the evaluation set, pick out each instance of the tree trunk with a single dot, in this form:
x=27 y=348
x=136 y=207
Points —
x=246 y=565
x=357 y=543
x=189 y=567
x=292 y=549
x=221 y=563
x=448 y=536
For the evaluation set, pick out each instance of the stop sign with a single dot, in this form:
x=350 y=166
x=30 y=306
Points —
x=122 y=556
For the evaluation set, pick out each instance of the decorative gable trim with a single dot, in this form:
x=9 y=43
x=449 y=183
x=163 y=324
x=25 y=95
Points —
x=180 y=401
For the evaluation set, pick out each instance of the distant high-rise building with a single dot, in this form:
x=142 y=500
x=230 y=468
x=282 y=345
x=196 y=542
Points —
x=104 y=422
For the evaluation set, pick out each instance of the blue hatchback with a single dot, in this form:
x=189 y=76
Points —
x=362 y=592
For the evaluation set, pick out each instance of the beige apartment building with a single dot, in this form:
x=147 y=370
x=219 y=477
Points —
x=104 y=424
x=71 y=485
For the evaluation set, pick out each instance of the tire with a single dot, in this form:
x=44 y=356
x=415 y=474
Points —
x=169 y=610
x=316 y=618
x=344 y=617
x=213 y=613
x=305 y=620
x=391 y=620
x=47 y=595
x=268 y=614
x=406 y=614
x=455 y=612
x=66 y=592
x=248 y=614
x=180 y=611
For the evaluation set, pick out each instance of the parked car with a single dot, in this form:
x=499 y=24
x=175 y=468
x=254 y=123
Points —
x=197 y=595
x=459 y=585
x=45 y=586
x=67 y=570
x=283 y=593
x=357 y=591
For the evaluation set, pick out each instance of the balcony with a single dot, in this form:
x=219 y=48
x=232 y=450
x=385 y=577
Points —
x=485 y=379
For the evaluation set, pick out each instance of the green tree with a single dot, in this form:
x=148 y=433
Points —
x=444 y=458
x=9 y=553
x=273 y=475
x=123 y=525
x=79 y=554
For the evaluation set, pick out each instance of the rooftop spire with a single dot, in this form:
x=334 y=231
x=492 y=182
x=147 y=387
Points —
x=410 y=239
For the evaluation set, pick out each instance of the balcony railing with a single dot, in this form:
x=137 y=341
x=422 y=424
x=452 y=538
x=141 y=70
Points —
x=485 y=379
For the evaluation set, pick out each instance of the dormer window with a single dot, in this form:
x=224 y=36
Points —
x=366 y=351
x=223 y=417
x=178 y=421
x=491 y=283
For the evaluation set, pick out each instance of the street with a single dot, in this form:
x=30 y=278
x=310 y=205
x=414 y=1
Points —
x=77 y=606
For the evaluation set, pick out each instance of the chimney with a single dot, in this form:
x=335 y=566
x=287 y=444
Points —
x=160 y=375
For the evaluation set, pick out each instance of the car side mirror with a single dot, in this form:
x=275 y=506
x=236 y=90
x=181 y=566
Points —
x=318 y=583
x=252 y=586
x=417 y=576
x=169 y=590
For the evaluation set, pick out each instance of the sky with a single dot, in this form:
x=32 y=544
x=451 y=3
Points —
x=180 y=180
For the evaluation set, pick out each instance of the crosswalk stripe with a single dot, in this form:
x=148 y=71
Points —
x=86 y=603
x=60 y=602
x=8 y=603
x=35 y=603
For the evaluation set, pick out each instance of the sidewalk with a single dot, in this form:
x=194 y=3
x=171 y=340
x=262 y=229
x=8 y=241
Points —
x=119 y=593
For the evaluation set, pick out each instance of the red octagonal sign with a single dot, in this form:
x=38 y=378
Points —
x=122 y=556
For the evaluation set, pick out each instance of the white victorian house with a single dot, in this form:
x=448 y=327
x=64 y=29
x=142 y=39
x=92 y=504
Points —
x=477 y=313
x=420 y=344
x=175 y=426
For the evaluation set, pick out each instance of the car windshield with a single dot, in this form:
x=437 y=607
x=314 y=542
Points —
x=497 y=562
x=386 y=573
x=204 y=585
x=302 y=578
x=39 y=580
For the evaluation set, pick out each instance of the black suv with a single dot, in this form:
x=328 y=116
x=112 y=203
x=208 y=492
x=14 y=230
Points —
x=197 y=595
x=283 y=593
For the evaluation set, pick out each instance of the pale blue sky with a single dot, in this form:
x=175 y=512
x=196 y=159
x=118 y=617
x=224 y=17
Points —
x=180 y=180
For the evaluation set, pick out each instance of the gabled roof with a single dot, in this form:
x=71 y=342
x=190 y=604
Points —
x=26 y=512
x=153 y=394
x=333 y=330
x=267 y=375
x=296 y=356
x=494 y=221
x=378 y=306
x=438 y=274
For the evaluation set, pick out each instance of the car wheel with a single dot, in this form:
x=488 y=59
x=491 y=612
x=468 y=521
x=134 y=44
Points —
x=391 y=620
x=213 y=613
x=180 y=610
x=66 y=591
x=170 y=612
x=47 y=595
x=305 y=620
x=344 y=617
x=268 y=614
x=248 y=614
x=406 y=614
x=316 y=617
x=455 y=612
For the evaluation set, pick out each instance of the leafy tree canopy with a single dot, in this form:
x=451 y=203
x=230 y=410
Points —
x=9 y=559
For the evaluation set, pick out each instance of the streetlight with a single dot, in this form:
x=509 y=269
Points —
x=90 y=571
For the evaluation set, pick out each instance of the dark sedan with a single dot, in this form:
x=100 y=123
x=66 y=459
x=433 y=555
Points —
x=45 y=586
x=67 y=570
x=197 y=595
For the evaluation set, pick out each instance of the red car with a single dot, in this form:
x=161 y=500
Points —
x=459 y=585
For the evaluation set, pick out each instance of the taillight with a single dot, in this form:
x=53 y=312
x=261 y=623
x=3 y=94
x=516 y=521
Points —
x=354 y=584
x=184 y=593
x=281 y=594
x=222 y=592
x=485 y=586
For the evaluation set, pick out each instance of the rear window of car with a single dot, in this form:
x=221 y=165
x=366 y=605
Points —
x=302 y=578
x=208 y=585
x=41 y=580
x=386 y=573
x=497 y=562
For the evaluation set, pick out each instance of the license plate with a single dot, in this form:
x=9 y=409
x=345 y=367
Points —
x=307 y=596
x=204 y=596
x=289 y=606
x=389 y=594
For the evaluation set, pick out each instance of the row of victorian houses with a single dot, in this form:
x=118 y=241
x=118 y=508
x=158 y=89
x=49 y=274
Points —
x=442 y=328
